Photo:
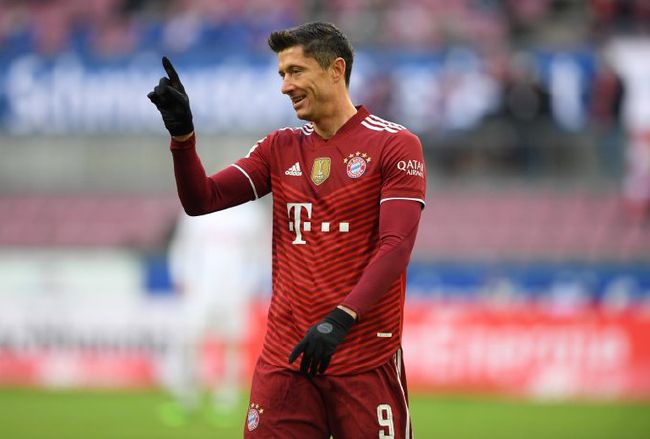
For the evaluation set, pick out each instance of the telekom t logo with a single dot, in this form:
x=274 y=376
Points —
x=294 y=211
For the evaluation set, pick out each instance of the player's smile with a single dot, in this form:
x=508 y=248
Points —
x=300 y=105
x=296 y=100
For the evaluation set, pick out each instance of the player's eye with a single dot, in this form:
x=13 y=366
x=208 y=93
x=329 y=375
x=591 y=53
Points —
x=295 y=71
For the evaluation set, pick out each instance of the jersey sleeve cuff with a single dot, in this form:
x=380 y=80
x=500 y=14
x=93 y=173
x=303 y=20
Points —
x=351 y=307
x=418 y=199
x=189 y=143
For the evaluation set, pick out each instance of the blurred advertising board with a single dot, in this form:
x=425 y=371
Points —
x=524 y=350
x=469 y=348
x=450 y=89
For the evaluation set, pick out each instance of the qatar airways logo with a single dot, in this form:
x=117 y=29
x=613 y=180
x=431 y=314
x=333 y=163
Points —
x=411 y=167
x=299 y=226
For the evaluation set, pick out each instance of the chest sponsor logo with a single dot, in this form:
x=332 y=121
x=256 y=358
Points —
x=357 y=164
x=300 y=224
x=411 y=167
x=320 y=170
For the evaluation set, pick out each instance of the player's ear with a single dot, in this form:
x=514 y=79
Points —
x=337 y=70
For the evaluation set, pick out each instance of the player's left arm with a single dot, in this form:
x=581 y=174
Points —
x=398 y=226
x=402 y=200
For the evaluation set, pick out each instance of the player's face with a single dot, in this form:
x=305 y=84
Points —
x=307 y=84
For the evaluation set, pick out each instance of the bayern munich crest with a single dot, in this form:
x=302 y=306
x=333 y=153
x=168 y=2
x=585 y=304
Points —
x=253 y=416
x=357 y=164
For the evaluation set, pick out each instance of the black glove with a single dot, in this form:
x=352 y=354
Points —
x=171 y=100
x=321 y=341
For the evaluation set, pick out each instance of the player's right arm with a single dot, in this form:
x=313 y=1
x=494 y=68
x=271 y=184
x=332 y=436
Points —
x=199 y=193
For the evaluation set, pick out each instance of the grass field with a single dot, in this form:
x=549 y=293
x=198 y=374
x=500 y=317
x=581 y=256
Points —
x=135 y=414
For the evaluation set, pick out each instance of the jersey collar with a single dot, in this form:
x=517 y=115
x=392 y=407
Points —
x=349 y=125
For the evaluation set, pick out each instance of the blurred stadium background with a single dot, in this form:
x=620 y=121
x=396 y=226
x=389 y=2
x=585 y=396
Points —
x=528 y=311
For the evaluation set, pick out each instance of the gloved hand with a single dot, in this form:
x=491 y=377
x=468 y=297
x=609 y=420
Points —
x=171 y=100
x=321 y=341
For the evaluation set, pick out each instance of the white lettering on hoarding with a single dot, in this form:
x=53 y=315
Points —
x=68 y=96
x=515 y=356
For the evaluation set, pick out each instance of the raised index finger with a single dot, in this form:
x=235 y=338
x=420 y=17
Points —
x=171 y=72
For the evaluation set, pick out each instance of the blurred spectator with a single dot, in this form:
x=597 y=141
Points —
x=50 y=25
x=216 y=268
x=381 y=99
x=524 y=114
x=606 y=115
x=620 y=16
x=630 y=57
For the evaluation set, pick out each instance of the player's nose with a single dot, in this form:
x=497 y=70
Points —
x=287 y=86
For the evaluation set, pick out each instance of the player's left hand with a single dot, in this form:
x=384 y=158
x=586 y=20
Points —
x=321 y=341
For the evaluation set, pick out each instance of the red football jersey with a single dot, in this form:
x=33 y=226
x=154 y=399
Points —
x=326 y=197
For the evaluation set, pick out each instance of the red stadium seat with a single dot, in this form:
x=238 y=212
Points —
x=543 y=224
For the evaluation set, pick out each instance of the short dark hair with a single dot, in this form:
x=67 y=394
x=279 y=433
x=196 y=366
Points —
x=322 y=41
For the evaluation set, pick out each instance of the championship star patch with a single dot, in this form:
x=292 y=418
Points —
x=253 y=416
x=320 y=170
x=357 y=164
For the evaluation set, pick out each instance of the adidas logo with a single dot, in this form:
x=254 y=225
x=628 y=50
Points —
x=294 y=170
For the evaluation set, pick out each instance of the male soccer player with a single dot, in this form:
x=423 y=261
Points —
x=348 y=188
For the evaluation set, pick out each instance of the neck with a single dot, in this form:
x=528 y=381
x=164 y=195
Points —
x=334 y=119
